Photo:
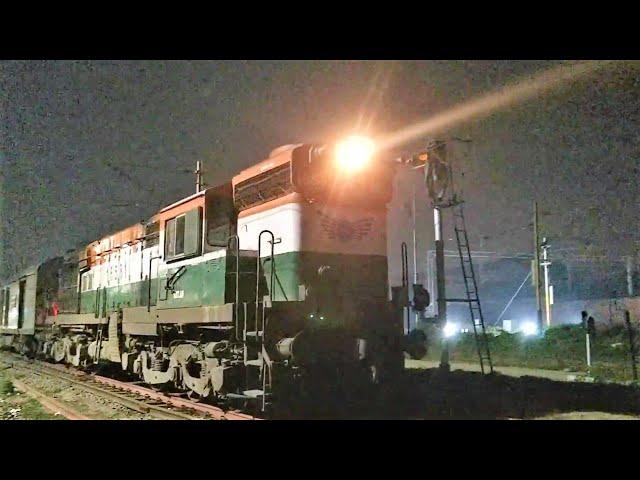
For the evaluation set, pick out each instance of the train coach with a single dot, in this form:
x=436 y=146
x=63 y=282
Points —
x=279 y=274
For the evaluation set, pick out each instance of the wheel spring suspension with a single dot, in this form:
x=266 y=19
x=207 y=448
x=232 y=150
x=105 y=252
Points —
x=159 y=364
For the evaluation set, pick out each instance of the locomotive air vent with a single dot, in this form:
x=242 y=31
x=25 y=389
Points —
x=277 y=151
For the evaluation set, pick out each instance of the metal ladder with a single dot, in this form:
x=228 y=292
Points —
x=471 y=289
x=98 y=344
x=255 y=353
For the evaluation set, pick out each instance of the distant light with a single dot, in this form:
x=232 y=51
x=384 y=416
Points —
x=450 y=329
x=353 y=153
x=529 y=328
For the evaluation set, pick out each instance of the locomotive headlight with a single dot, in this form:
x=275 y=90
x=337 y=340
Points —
x=353 y=153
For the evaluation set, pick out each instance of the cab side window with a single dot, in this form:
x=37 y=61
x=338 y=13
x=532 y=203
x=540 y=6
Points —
x=182 y=235
x=219 y=227
x=220 y=218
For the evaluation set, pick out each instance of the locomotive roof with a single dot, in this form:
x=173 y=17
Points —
x=279 y=156
x=186 y=199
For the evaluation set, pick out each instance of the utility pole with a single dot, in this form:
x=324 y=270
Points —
x=415 y=261
x=536 y=266
x=629 y=265
x=198 y=173
x=632 y=345
x=547 y=288
x=437 y=183
x=440 y=281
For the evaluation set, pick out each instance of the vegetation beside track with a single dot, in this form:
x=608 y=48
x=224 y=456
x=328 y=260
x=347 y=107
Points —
x=560 y=348
x=18 y=406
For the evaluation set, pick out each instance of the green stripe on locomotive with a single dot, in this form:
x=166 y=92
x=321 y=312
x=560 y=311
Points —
x=213 y=282
x=206 y=283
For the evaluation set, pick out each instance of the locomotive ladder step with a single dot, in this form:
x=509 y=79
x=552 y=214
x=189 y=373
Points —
x=254 y=363
x=255 y=333
x=238 y=396
x=255 y=393
x=248 y=395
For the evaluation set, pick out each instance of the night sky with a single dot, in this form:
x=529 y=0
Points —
x=88 y=147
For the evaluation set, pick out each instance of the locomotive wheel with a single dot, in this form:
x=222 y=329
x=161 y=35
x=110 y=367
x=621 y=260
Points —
x=30 y=347
x=193 y=396
x=58 y=351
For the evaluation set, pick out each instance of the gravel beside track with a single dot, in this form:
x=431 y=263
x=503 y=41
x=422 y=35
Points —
x=106 y=398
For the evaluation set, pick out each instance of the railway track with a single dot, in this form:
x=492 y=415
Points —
x=132 y=396
x=51 y=404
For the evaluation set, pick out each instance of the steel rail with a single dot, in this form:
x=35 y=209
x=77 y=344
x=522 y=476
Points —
x=139 y=406
x=49 y=403
x=215 y=412
x=149 y=404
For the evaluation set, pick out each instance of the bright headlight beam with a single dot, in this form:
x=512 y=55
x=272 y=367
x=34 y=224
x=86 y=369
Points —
x=353 y=153
x=502 y=98
x=450 y=329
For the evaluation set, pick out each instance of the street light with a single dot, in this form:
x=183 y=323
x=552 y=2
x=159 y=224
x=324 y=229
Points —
x=353 y=153
x=529 y=328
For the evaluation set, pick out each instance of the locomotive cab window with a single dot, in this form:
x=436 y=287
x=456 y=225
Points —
x=182 y=235
x=220 y=218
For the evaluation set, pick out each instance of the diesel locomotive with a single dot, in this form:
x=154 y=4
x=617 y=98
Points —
x=227 y=294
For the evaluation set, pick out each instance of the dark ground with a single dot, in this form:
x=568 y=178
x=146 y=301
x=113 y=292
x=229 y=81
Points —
x=432 y=395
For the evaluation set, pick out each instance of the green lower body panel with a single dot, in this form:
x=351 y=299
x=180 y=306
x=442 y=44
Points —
x=329 y=282
x=112 y=298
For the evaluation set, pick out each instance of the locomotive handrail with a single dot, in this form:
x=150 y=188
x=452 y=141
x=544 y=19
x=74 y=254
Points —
x=405 y=264
x=171 y=281
x=237 y=303
x=97 y=303
x=258 y=265
x=151 y=259
x=263 y=337
x=405 y=282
